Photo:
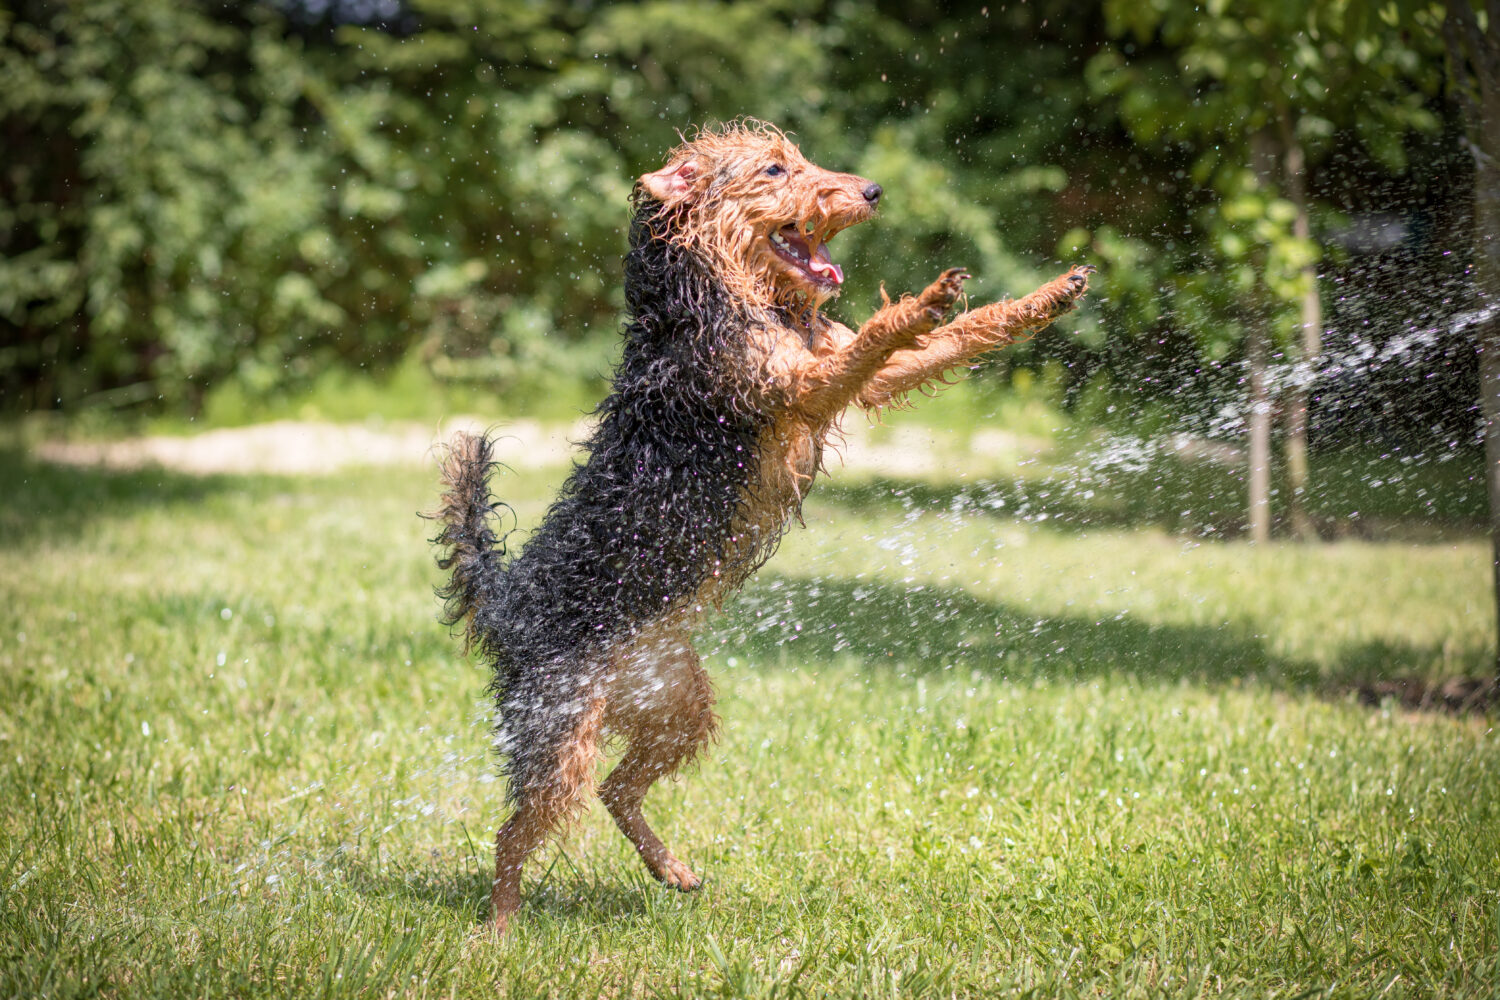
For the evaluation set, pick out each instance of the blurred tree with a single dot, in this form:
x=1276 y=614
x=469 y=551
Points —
x=545 y=114
x=487 y=156
x=977 y=121
x=1472 y=39
x=1248 y=93
x=257 y=191
x=154 y=197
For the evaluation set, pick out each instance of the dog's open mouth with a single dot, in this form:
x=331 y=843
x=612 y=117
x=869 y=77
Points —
x=807 y=255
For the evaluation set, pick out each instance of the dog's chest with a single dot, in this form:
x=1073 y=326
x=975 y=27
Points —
x=800 y=452
x=788 y=461
x=792 y=448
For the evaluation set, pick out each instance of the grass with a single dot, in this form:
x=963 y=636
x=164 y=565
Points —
x=965 y=752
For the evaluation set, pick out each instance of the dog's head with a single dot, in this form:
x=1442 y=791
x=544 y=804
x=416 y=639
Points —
x=745 y=197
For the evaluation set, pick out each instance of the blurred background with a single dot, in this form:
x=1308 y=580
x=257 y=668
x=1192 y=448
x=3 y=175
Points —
x=220 y=213
x=1095 y=676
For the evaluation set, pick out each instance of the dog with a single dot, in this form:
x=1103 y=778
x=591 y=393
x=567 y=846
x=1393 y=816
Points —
x=731 y=380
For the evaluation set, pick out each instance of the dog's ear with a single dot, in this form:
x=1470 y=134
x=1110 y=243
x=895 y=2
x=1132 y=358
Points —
x=671 y=183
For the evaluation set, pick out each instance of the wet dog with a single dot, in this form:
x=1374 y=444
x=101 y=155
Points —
x=731 y=379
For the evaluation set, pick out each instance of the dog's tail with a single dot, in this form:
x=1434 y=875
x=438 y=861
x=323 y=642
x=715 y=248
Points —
x=471 y=549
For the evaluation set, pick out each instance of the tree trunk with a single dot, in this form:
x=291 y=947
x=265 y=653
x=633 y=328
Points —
x=1264 y=162
x=1257 y=348
x=1474 y=72
x=1487 y=282
x=1487 y=222
x=1305 y=366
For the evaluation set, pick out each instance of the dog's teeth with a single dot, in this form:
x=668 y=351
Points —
x=831 y=271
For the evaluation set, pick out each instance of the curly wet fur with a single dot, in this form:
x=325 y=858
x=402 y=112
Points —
x=468 y=537
x=730 y=382
x=641 y=522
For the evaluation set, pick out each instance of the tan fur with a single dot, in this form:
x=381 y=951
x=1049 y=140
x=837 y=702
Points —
x=722 y=203
x=544 y=812
x=662 y=700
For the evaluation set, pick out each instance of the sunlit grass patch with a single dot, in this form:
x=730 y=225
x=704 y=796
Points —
x=963 y=753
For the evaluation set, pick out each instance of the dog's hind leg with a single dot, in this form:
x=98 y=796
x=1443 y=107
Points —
x=551 y=779
x=662 y=702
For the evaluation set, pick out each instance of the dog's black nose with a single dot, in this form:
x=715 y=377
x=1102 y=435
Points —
x=872 y=193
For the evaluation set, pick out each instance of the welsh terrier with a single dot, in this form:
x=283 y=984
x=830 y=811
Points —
x=731 y=380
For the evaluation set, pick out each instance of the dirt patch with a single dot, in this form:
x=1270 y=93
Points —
x=300 y=448
x=290 y=447
x=1459 y=695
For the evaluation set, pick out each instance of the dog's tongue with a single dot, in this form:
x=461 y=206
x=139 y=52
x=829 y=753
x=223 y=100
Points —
x=822 y=264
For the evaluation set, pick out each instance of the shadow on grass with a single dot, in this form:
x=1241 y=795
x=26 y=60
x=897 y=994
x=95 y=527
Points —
x=564 y=890
x=44 y=499
x=932 y=628
x=1353 y=496
x=440 y=883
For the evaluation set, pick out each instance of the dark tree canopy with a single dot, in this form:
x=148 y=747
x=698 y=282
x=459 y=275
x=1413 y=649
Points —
x=250 y=193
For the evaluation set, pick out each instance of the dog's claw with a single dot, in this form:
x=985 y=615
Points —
x=942 y=293
x=1078 y=278
x=1060 y=296
x=954 y=278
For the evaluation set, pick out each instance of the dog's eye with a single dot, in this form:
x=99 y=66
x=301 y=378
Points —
x=775 y=170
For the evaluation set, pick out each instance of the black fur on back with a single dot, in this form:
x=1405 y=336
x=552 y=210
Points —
x=642 y=521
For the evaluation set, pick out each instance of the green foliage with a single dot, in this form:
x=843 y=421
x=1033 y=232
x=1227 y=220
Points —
x=217 y=193
x=1229 y=90
x=199 y=195
x=159 y=178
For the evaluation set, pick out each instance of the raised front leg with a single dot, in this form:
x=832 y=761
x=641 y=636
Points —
x=972 y=334
x=829 y=384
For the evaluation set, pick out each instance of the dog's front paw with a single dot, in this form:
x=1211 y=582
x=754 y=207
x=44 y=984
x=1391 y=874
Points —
x=1078 y=278
x=939 y=296
x=1060 y=296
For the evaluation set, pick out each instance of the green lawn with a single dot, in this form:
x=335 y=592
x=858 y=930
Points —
x=964 y=753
